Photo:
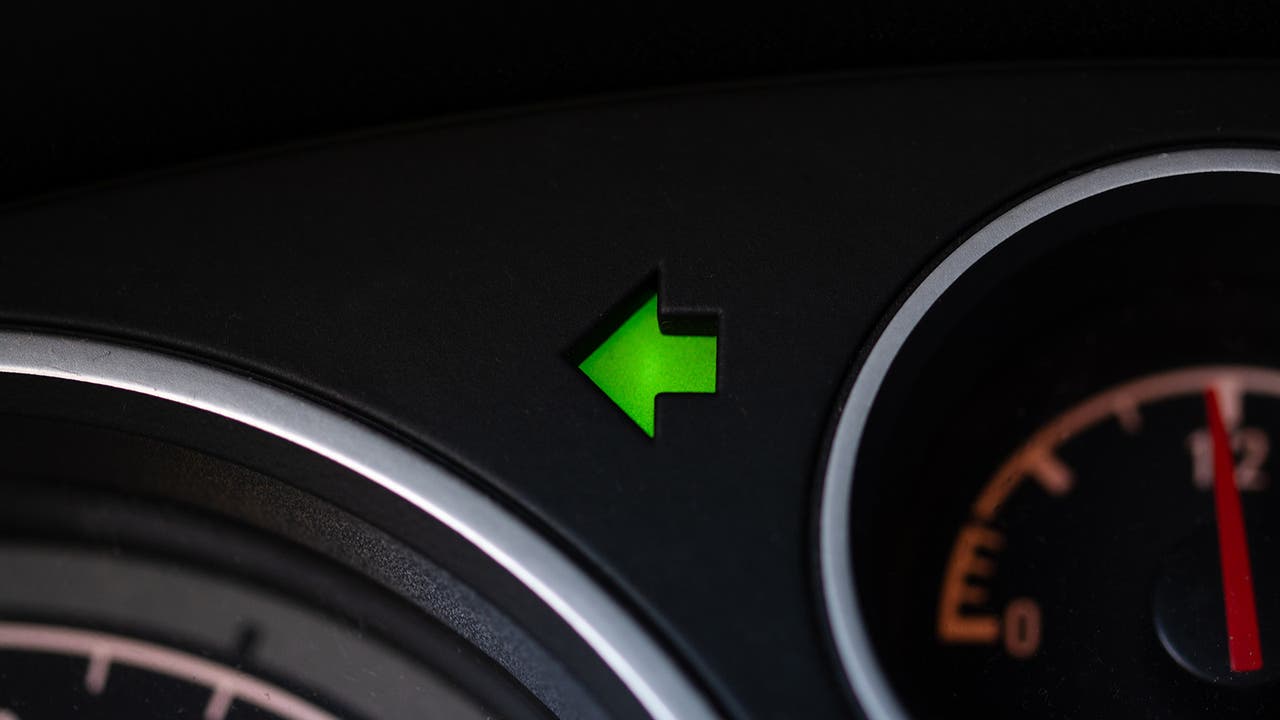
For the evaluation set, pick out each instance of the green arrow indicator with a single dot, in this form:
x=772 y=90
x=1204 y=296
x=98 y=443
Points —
x=637 y=363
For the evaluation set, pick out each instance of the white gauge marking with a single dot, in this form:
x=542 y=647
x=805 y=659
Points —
x=1234 y=382
x=1255 y=446
x=1230 y=393
x=95 y=677
x=219 y=703
x=226 y=684
x=1127 y=413
x=1250 y=444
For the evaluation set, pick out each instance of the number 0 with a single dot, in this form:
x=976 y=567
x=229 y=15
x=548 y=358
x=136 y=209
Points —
x=1022 y=628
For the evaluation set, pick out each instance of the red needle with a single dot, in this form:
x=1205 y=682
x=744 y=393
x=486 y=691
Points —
x=1233 y=548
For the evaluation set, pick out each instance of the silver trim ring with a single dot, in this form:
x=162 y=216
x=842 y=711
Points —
x=865 y=677
x=617 y=638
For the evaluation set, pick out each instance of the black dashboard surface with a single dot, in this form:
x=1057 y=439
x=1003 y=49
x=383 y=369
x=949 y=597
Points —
x=433 y=279
x=95 y=91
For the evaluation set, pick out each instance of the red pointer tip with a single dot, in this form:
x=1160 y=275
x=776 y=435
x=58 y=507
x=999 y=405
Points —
x=1233 y=549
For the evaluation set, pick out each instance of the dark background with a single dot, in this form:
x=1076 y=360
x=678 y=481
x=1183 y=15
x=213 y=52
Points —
x=433 y=281
x=93 y=90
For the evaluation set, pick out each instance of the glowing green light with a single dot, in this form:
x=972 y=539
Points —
x=637 y=363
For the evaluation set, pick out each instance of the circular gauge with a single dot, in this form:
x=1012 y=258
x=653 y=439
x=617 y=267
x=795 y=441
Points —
x=177 y=541
x=196 y=644
x=1049 y=494
x=138 y=608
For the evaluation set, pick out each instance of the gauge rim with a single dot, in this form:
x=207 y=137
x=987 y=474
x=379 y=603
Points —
x=862 y=671
x=644 y=667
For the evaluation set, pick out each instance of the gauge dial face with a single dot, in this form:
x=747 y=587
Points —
x=97 y=633
x=1060 y=495
x=144 y=608
x=35 y=656
x=1163 y=478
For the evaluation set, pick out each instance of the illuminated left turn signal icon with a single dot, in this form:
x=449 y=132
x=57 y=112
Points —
x=637 y=362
